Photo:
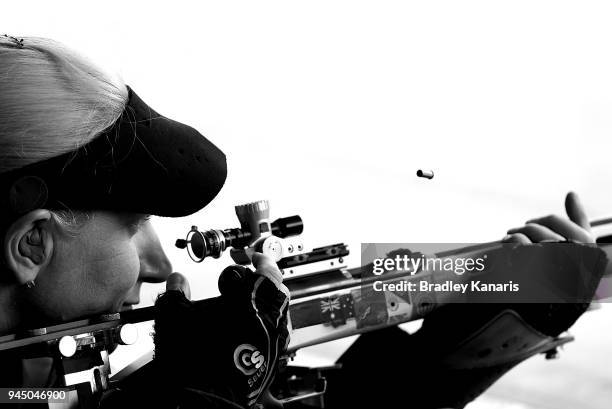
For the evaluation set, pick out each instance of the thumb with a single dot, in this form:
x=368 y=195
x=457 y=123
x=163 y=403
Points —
x=267 y=267
x=575 y=211
x=178 y=282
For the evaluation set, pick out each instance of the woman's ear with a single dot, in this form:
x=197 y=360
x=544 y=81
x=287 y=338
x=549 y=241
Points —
x=28 y=245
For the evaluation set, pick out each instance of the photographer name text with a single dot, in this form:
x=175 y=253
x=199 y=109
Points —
x=447 y=286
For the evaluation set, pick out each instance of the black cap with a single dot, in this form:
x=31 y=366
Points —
x=144 y=163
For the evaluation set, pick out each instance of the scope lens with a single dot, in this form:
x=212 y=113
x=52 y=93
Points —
x=196 y=245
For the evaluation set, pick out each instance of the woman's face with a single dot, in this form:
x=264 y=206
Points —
x=100 y=270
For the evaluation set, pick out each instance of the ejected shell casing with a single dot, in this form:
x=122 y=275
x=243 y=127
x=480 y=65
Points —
x=425 y=174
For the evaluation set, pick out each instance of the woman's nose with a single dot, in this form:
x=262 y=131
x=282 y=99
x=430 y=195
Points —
x=155 y=268
x=154 y=265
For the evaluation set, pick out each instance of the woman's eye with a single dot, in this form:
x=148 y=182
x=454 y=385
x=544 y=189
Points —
x=135 y=225
x=133 y=228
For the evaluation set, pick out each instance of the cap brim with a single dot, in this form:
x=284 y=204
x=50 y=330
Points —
x=145 y=163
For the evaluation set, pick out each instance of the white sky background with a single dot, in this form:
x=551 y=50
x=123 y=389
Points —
x=328 y=108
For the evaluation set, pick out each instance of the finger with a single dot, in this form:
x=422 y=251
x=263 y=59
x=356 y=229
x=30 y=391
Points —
x=266 y=266
x=564 y=227
x=575 y=211
x=519 y=238
x=537 y=233
x=177 y=281
x=260 y=260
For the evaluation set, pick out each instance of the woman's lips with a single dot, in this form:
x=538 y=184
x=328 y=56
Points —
x=129 y=303
x=127 y=306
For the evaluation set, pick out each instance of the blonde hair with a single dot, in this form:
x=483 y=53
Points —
x=52 y=100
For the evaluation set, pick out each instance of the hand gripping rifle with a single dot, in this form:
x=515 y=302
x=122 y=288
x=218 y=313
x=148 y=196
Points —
x=330 y=301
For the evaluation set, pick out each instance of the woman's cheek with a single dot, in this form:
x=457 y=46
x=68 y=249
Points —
x=90 y=288
x=127 y=276
x=115 y=276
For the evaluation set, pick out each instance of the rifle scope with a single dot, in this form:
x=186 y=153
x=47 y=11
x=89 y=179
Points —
x=254 y=226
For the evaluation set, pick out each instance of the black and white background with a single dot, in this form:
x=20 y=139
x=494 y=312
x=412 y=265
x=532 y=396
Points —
x=327 y=109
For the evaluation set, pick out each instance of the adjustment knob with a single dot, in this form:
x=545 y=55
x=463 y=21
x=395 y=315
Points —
x=272 y=247
x=260 y=209
x=254 y=217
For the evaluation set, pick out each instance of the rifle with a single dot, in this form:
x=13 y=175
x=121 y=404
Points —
x=329 y=301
